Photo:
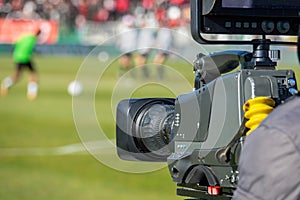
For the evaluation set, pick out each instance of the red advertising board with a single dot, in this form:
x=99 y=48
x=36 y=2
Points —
x=12 y=29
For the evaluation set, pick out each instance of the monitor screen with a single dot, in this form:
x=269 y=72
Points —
x=246 y=17
x=269 y=4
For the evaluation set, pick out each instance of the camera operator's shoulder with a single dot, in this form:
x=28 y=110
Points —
x=286 y=118
x=268 y=166
x=270 y=157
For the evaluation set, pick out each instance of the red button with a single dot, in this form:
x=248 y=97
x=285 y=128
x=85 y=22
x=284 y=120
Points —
x=214 y=190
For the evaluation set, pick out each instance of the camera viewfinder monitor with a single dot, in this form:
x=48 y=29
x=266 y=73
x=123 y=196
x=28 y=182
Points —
x=245 y=17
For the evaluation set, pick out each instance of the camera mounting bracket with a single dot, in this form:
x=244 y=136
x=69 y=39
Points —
x=262 y=55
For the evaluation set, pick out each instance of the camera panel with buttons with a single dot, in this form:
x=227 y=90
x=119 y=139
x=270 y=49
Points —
x=250 y=25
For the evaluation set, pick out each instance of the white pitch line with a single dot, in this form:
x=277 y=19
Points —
x=78 y=148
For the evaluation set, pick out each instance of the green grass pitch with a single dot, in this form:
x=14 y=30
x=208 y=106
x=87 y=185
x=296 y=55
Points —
x=47 y=123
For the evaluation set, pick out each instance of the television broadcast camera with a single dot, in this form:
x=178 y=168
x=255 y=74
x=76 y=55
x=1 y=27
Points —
x=200 y=134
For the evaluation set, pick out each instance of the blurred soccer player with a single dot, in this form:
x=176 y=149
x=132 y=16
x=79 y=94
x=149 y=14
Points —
x=126 y=43
x=164 y=42
x=163 y=39
x=22 y=56
x=145 y=40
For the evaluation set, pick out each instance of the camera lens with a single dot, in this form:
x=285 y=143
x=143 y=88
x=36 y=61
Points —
x=152 y=128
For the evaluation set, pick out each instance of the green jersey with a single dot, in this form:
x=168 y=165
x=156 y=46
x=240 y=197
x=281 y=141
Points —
x=24 y=48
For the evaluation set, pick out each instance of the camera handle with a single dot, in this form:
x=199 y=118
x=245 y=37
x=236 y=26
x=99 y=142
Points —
x=255 y=111
x=209 y=67
x=223 y=154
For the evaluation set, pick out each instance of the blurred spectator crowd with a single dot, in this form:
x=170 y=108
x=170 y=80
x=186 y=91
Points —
x=73 y=14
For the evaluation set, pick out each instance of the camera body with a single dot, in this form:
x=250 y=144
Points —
x=189 y=132
x=204 y=132
x=200 y=134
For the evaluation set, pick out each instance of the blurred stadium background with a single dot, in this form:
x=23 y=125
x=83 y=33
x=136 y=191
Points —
x=33 y=135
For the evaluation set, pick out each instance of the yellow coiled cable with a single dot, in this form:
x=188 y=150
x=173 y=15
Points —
x=256 y=110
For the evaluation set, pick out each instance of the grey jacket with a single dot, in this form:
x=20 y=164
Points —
x=270 y=161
